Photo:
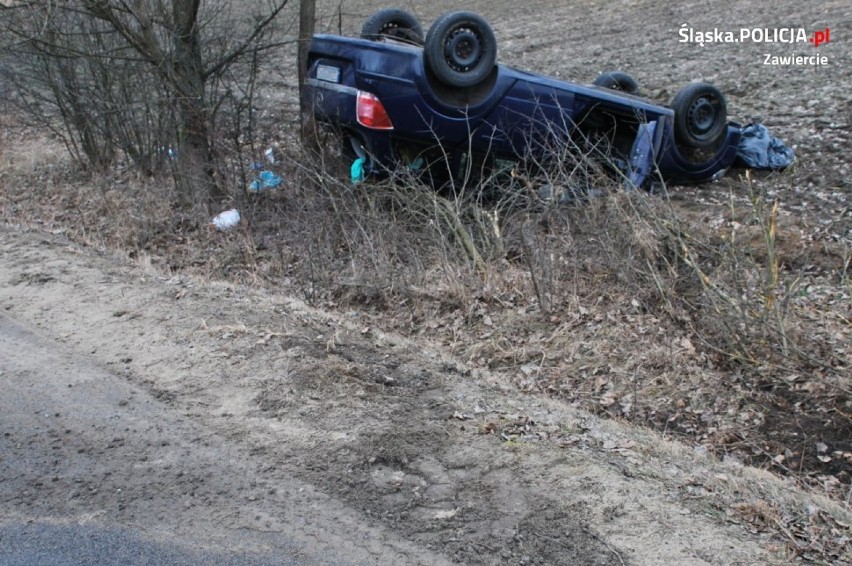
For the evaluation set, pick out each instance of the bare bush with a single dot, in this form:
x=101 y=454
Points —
x=154 y=83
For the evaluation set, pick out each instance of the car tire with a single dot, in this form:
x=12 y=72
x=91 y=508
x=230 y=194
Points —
x=700 y=117
x=460 y=49
x=617 y=80
x=394 y=24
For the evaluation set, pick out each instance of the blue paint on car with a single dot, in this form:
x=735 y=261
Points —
x=410 y=118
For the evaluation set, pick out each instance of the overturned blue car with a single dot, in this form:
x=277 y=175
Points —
x=441 y=106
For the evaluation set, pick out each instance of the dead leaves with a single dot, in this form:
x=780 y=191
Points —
x=509 y=428
x=810 y=533
x=263 y=336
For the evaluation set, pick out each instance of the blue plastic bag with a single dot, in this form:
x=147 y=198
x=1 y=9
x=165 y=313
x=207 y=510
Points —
x=265 y=180
x=761 y=150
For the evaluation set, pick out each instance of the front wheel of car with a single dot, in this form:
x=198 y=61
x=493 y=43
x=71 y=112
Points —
x=617 y=80
x=392 y=23
x=700 y=117
x=461 y=49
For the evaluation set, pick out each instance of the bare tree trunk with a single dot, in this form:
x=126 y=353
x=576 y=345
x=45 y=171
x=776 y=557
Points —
x=195 y=178
x=307 y=22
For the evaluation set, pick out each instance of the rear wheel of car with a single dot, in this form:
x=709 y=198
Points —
x=617 y=80
x=460 y=49
x=700 y=117
x=392 y=23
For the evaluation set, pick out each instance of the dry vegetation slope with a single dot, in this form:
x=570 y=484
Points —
x=711 y=316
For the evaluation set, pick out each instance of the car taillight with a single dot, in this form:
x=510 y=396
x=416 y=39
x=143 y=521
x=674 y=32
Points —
x=371 y=113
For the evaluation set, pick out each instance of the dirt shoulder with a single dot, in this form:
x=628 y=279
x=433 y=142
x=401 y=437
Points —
x=409 y=440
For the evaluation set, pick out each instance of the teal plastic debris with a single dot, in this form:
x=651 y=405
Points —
x=265 y=180
x=357 y=170
x=417 y=164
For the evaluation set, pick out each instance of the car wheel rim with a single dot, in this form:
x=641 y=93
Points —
x=463 y=49
x=702 y=116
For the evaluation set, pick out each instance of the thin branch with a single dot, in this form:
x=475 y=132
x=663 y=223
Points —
x=227 y=59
